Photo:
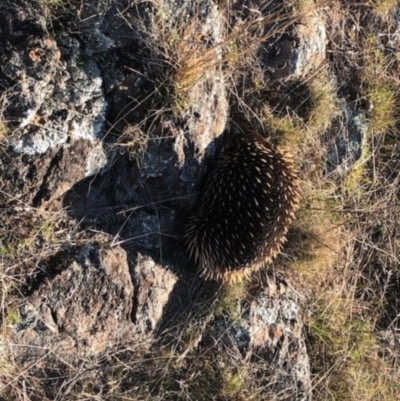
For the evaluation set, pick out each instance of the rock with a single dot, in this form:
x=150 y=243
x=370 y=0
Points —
x=204 y=105
x=154 y=285
x=21 y=176
x=80 y=307
x=206 y=118
x=40 y=179
x=175 y=151
x=57 y=93
x=346 y=140
x=296 y=58
x=92 y=305
x=56 y=96
x=269 y=334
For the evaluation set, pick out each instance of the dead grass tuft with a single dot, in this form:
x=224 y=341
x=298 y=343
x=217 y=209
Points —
x=383 y=7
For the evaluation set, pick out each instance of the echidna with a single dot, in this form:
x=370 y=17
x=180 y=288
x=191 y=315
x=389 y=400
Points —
x=242 y=215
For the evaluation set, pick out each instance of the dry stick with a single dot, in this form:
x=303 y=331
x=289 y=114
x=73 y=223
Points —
x=369 y=245
x=114 y=243
x=157 y=202
x=333 y=367
x=366 y=211
x=70 y=383
x=26 y=370
x=159 y=226
x=132 y=210
x=140 y=236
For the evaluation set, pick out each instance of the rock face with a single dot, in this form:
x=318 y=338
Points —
x=53 y=95
x=275 y=330
x=299 y=56
x=56 y=93
x=269 y=335
x=92 y=298
x=347 y=140
x=92 y=305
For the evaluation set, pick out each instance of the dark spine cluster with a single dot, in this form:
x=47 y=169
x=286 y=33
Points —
x=242 y=216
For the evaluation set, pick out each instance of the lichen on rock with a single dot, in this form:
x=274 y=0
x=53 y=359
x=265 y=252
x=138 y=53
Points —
x=55 y=91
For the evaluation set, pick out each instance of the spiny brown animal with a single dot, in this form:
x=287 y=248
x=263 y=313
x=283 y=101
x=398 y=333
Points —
x=242 y=215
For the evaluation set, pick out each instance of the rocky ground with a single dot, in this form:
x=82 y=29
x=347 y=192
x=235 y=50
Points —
x=111 y=112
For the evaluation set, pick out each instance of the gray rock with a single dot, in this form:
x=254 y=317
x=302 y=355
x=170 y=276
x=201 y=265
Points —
x=346 y=139
x=56 y=91
x=269 y=334
x=297 y=58
x=91 y=305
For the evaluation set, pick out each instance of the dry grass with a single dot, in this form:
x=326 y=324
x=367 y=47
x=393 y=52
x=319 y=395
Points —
x=344 y=246
x=383 y=7
x=189 y=50
x=30 y=240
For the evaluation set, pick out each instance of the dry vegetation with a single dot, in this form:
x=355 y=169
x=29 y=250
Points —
x=350 y=243
x=344 y=247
